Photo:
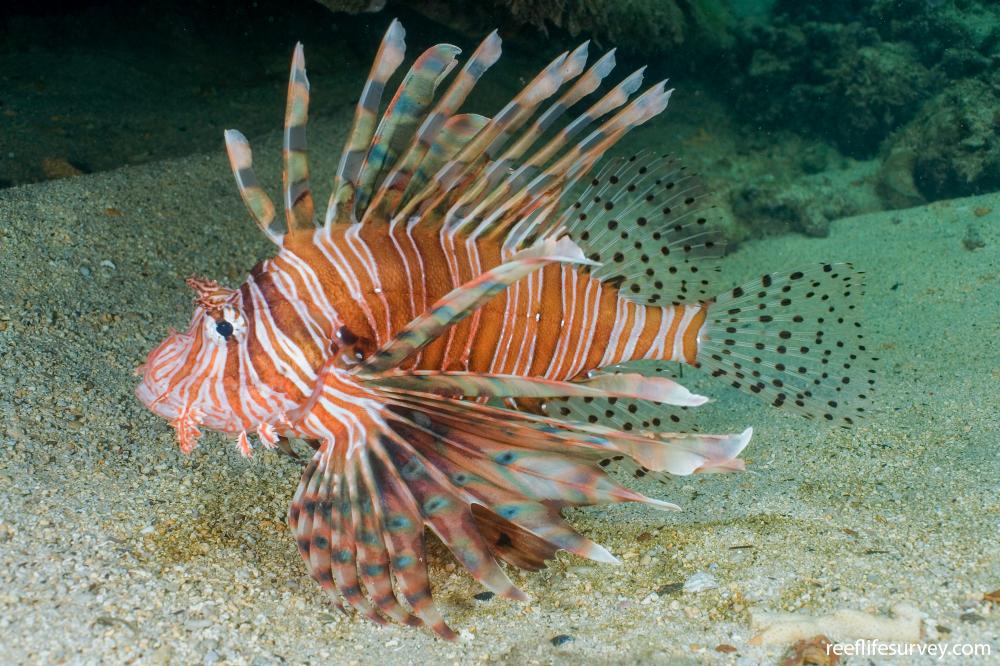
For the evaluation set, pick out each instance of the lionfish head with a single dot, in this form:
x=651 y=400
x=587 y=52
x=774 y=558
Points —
x=190 y=377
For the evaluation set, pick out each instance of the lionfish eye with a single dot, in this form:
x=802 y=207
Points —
x=224 y=328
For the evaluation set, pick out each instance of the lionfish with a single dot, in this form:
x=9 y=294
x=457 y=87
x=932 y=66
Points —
x=479 y=328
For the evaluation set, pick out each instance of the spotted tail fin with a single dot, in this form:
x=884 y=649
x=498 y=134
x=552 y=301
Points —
x=794 y=339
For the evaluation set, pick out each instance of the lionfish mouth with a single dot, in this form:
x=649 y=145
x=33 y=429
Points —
x=155 y=400
x=185 y=419
x=153 y=391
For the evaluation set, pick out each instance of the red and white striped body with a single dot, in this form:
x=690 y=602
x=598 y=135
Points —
x=350 y=289
x=556 y=323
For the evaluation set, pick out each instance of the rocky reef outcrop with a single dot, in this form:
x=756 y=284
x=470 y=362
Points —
x=839 y=82
x=951 y=148
x=909 y=83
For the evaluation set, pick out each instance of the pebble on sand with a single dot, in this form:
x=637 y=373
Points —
x=700 y=582
x=906 y=625
x=59 y=167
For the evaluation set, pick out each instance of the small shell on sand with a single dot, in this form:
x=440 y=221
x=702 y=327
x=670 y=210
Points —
x=700 y=582
x=906 y=626
x=815 y=650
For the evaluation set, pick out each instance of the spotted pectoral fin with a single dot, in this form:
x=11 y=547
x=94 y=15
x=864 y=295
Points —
x=359 y=517
x=673 y=453
x=466 y=299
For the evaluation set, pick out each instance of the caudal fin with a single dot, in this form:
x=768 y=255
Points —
x=794 y=339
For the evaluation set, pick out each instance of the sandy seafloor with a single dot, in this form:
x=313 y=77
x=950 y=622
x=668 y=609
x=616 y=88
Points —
x=116 y=548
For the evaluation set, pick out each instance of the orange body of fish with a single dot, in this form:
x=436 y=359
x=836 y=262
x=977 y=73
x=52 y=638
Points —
x=475 y=332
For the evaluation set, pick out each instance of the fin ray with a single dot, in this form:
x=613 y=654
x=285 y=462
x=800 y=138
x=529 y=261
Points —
x=258 y=204
x=489 y=482
x=405 y=111
x=458 y=131
x=481 y=385
x=299 y=207
x=392 y=196
x=345 y=185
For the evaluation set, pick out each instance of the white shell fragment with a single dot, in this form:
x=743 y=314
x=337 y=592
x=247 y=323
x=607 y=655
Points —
x=904 y=626
x=700 y=582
